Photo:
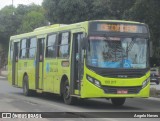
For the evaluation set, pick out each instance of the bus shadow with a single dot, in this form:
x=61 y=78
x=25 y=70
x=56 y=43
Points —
x=104 y=104
x=93 y=104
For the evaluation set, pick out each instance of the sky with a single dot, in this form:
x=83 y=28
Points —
x=16 y=2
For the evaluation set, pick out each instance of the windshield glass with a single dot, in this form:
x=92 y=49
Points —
x=117 y=52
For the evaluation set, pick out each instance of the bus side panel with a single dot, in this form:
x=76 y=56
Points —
x=59 y=75
x=21 y=71
x=31 y=73
x=62 y=70
x=26 y=67
x=49 y=74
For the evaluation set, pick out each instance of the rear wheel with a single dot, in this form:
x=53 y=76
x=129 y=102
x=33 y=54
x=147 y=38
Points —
x=118 y=101
x=66 y=94
x=26 y=90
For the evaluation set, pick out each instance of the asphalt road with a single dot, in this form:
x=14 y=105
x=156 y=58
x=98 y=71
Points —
x=12 y=99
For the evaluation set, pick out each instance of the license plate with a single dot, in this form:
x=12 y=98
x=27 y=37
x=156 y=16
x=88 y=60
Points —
x=122 y=91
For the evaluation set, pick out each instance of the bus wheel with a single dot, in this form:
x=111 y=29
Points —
x=66 y=94
x=26 y=90
x=157 y=82
x=118 y=101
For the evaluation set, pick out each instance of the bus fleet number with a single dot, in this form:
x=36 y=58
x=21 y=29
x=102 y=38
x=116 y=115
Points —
x=110 y=82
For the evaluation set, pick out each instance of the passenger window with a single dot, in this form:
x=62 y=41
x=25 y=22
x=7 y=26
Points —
x=64 y=45
x=51 y=46
x=23 y=52
x=23 y=43
x=33 y=42
x=32 y=47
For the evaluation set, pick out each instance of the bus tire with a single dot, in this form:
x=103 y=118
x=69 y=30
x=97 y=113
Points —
x=157 y=82
x=118 y=101
x=66 y=94
x=26 y=90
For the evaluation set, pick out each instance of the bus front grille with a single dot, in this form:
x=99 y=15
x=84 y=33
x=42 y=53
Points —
x=126 y=90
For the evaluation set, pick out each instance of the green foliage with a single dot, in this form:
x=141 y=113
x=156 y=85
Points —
x=27 y=18
x=31 y=21
x=19 y=20
x=147 y=11
x=71 y=11
x=33 y=18
x=7 y=24
x=119 y=7
x=51 y=9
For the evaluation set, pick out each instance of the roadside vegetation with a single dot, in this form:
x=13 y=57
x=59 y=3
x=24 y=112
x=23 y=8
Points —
x=26 y=18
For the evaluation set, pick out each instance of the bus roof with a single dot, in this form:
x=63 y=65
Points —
x=47 y=29
x=117 y=21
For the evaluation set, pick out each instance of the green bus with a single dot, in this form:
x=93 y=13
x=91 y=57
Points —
x=92 y=59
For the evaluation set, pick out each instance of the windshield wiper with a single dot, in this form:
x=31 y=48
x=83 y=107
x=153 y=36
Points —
x=131 y=45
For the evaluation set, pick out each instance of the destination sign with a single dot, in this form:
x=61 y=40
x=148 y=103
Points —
x=127 y=28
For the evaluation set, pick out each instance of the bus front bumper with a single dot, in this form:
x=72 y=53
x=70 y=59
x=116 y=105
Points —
x=114 y=92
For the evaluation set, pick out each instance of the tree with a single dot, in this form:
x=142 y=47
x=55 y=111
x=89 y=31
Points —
x=71 y=11
x=7 y=24
x=25 y=19
x=147 y=11
x=119 y=7
x=33 y=18
x=51 y=7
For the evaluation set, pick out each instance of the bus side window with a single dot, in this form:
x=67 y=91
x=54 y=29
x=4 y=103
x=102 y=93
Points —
x=23 y=48
x=64 y=45
x=32 y=47
x=51 y=46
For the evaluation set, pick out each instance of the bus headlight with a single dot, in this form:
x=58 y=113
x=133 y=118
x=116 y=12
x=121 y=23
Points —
x=94 y=81
x=144 y=84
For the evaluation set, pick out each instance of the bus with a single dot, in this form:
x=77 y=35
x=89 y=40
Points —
x=92 y=59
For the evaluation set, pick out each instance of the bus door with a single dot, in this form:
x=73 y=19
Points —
x=76 y=63
x=39 y=63
x=15 y=47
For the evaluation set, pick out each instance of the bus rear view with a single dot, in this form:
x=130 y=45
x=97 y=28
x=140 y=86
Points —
x=116 y=62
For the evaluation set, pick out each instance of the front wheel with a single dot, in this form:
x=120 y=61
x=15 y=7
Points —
x=118 y=101
x=157 y=82
x=66 y=94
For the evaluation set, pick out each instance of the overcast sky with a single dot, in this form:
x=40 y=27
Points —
x=16 y=2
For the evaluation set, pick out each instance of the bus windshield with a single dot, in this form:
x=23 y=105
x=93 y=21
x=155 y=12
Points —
x=117 y=52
